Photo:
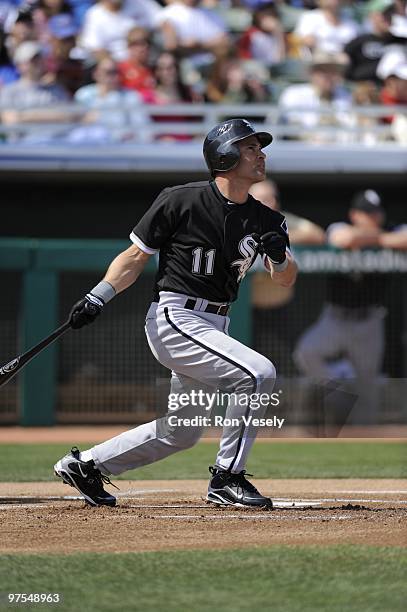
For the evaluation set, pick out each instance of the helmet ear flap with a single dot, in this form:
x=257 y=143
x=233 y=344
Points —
x=228 y=156
x=222 y=161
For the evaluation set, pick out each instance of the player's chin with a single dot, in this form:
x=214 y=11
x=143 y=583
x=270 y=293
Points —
x=259 y=175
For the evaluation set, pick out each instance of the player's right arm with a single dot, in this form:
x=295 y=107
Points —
x=126 y=268
x=122 y=272
x=151 y=232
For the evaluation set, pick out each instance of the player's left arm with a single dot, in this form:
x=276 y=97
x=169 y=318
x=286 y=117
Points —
x=286 y=277
x=394 y=240
x=275 y=246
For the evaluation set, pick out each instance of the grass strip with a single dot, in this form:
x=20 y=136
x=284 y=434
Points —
x=281 y=578
x=32 y=462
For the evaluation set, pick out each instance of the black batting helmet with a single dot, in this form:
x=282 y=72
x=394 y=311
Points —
x=220 y=150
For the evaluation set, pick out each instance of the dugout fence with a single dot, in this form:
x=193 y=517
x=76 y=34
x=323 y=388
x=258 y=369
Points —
x=106 y=372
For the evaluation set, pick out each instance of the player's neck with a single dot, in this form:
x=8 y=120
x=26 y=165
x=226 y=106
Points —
x=236 y=191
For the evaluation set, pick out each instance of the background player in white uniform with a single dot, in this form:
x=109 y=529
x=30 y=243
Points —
x=348 y=339
x=208 y=235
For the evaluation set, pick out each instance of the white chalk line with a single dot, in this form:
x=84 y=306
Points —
x=384 y=491
x=288 y=504
x=362 y=501
x=164 y=506
x=280 y=502
x=259 y=517
x=21 y=506
x=149 y=492
x=283 y=504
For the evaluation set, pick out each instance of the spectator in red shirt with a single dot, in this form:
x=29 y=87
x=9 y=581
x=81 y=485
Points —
x=395 y=86
x=394 y=91
x=264 y=40
x=134 y=71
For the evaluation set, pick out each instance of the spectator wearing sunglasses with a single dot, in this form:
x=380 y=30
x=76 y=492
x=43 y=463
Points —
x=135 y=72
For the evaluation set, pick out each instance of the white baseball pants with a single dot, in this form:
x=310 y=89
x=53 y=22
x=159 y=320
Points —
x=359 y=341
x=196 y=347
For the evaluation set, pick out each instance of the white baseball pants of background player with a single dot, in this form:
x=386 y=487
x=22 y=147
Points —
x=196 y=347
x=359 y=342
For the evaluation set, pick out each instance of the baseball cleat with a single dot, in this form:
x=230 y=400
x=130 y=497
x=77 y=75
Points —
x=85 y=477
x=227 y=489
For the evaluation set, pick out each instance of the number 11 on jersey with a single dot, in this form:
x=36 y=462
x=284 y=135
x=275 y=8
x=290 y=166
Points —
x=197 y=260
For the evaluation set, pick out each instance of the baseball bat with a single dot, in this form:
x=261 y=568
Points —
x=11 y=368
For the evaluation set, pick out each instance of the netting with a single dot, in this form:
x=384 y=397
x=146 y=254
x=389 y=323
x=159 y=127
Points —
x=106 y=371
x=346 y=328
x=9 y=320
x=277 y=328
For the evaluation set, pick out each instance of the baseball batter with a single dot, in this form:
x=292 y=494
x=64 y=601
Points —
x=208 y=235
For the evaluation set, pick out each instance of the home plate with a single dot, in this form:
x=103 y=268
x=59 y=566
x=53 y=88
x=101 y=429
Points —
x=280 y=503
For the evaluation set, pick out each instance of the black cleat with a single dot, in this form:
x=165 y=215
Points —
x=227 y=489
x=85 y=477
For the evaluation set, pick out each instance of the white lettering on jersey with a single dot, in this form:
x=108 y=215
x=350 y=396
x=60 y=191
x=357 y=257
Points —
x=197 y=260
x=248 y=248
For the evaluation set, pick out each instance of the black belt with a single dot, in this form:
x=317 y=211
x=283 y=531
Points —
x=221 y=309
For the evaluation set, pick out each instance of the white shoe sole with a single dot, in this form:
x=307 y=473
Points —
x=63 y=474
x=216 y=499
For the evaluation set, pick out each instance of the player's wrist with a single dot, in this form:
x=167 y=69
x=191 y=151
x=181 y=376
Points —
x=94 y=300
x=280 y=266
x=103 y=291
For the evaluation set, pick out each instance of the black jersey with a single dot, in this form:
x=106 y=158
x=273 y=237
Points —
x=356 y=290
x=365 y=52
x=205 y=242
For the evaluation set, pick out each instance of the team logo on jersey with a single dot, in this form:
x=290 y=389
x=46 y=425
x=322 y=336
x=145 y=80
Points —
x=248 y=248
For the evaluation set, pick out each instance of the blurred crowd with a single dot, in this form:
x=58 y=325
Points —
x=313 y=59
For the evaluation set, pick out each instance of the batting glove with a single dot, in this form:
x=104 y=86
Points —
x=274 y=246
x=85 y=311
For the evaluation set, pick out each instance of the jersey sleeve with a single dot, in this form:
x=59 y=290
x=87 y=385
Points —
x=156 y=226
x=274 y=221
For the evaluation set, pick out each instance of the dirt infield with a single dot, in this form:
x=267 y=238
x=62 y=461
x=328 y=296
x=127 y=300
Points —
x=168 y=515
x=172 y=514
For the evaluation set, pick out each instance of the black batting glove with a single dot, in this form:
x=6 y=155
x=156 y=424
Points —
x=274 y=245
x=85 y=311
